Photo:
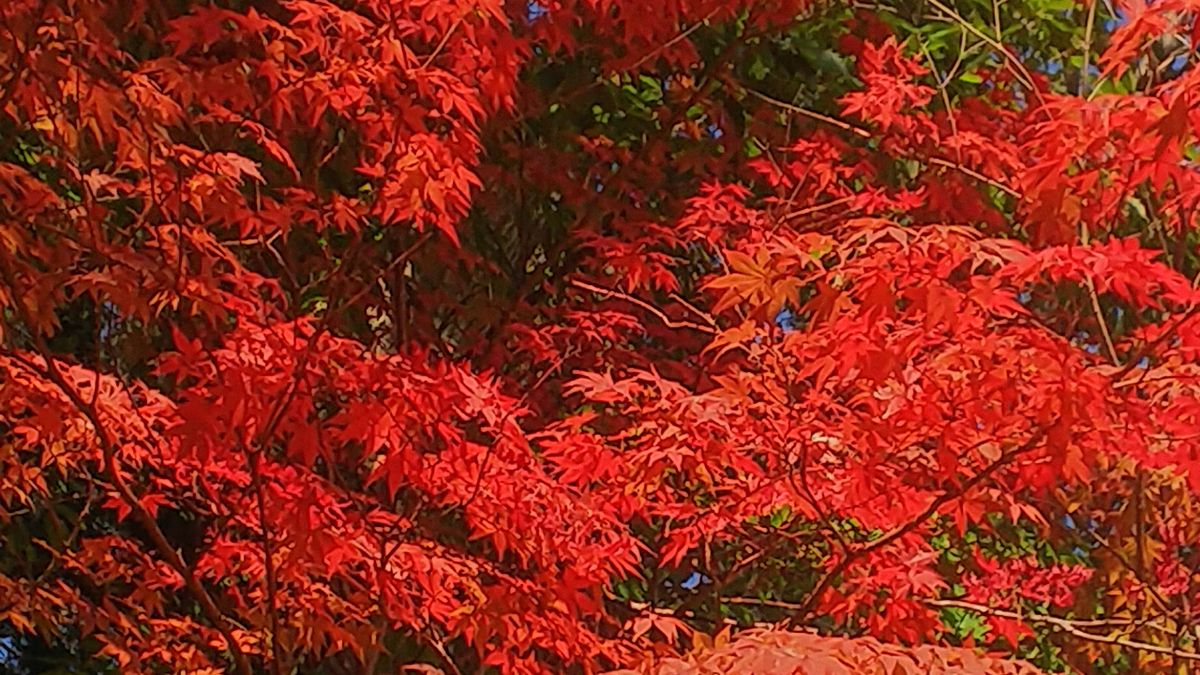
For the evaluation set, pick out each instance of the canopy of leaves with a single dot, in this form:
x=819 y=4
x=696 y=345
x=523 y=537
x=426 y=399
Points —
x=364 y=336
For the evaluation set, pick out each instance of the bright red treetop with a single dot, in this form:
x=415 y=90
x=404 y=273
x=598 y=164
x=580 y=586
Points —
x=359 y=336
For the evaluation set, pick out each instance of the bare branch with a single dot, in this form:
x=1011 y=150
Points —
x=1073 y=627
x=662 y=316
x=845 y=126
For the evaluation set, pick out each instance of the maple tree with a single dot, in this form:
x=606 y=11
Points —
x=367 y=336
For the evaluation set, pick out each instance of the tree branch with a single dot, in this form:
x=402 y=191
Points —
x=901 y=530
x=108 y=445
x=662 y=316
x=1072 y=627
x=833 y=121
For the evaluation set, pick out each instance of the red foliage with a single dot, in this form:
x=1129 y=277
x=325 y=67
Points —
x=242 y=190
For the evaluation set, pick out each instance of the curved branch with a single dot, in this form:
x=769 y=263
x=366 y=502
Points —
x=899 y=531
x=108 y=447
x=662 y=316
x=1071 y=627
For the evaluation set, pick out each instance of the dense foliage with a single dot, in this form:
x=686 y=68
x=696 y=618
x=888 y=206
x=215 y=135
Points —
x=364 y=336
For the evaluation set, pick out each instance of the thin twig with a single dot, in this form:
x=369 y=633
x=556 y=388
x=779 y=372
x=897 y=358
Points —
x=816 y=208
x=1163 y=604
x=845 y=126
x=647 y=608
x=670 y=323
x=1073 y=627
x=705 y=316
x=441 y=45
x=1104 y=332
x=946 y=96
x=1087 y=47
x=1027 y=616
x=976 y=175
x=1144 y=352
x=1085 y=239
x=1013 y=62
x=669 y=43
x=1069 y=626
